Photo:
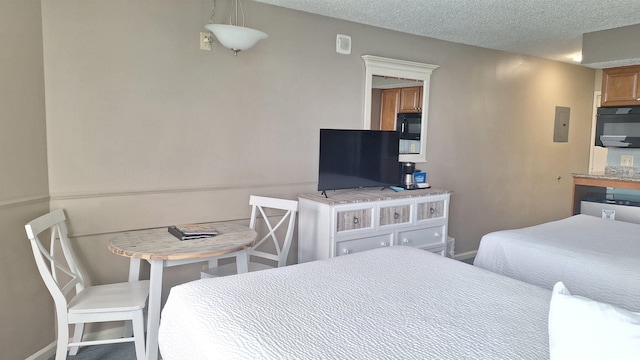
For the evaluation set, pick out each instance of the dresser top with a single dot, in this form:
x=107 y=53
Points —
x=349 y=196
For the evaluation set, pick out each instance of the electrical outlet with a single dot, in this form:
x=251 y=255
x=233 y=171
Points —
x=626 y=160
x=205 y=41
x=608 y=214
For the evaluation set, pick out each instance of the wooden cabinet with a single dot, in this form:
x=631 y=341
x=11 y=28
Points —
x=398 y=100
x=411 y=99
x=620 y=86
x=351 y=221
x=389 y=106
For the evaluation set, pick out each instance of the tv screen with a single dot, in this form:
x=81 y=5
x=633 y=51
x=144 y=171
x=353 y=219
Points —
x=358 y=158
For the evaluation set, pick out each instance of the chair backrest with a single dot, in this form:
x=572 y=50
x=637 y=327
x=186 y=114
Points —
x=288 y=219
x=60 y=278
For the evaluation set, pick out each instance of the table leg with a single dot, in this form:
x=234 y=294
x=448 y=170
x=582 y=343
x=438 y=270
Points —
x=134 y=275
x=155 y=299
x=134 y=269
x=242 y=261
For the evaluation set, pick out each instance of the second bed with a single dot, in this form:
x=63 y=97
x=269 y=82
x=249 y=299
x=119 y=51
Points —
x=594 y=257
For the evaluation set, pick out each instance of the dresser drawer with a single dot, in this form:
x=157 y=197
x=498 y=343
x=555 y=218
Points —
x=422 y=238
x=430 y=210
x=353 y=246
x=440 y=249
x=391 y=215
x=354 y=220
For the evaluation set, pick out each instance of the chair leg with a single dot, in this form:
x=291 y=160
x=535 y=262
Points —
x=63 y=341
x=138 y=334
x=77 y=337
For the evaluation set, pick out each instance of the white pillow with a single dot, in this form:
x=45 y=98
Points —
x=581 y=328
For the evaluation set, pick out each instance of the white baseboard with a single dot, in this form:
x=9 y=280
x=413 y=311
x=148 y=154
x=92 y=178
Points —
x=50 y=350
x=466 y=255
x=45 y=353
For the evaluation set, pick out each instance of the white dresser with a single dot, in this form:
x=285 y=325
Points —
x=350 y=221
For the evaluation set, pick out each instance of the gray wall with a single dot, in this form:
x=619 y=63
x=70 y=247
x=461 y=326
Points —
x=26 y=311
x=144 y=129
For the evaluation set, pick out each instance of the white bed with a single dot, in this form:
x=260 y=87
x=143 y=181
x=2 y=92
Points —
x=594 y=257
x=390 y=303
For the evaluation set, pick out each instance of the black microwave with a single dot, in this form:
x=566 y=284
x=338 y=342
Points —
x=409 y=125
x=618 y=127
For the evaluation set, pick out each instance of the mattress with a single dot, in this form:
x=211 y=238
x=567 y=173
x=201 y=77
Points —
x=389 y=303
x=594 y=257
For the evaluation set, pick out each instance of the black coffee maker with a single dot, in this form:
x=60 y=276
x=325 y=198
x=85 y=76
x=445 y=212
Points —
x=408 y=168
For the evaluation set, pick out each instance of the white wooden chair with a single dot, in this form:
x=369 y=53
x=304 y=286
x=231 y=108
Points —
x=281 y=248
x=88 y=304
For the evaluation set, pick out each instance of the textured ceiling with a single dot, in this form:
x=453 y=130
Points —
x=549 y=29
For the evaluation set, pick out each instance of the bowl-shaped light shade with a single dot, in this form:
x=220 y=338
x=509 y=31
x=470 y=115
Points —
x=234 y=37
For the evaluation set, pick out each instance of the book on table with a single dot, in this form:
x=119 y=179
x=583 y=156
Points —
x=193 y=231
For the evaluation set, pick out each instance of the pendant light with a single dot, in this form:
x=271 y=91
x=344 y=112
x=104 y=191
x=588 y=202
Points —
x=234 y=36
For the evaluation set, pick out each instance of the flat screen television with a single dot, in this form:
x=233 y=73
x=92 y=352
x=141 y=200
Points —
x=358 y=159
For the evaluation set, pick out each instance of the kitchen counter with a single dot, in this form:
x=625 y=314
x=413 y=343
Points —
x=623 y=173
x=628 y=179
x=596 y=184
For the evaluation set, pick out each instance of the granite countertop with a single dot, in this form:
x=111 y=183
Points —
x=348 y=196
x=624 y=173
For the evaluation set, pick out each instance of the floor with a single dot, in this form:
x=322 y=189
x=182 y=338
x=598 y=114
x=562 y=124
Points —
x=468 y=261
x=124 y=351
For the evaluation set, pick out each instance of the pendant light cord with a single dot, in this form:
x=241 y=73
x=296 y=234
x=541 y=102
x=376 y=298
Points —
x=241 y=12
x=238 y=3
x=213 y=11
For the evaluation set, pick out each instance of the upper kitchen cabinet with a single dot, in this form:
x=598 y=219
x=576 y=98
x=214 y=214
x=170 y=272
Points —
x=411 y=99
x=620 y=86
x=398 y=100
x=389 y=107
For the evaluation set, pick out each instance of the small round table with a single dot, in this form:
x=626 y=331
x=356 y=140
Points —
x=161 y=249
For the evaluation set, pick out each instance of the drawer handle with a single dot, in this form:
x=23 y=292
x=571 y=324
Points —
x=405 y=240
x=437 y=234
x=396 y=216
x=356 y=220
x=432 y=211
x=383 y=244
x=346 y=251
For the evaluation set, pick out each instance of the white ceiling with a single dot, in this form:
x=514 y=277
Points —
x=549 y=29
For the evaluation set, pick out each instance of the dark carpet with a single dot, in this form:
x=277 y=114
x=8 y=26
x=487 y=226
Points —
x=124 y=351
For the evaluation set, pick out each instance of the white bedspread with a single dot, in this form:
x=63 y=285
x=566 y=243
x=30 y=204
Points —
x=594 y=257
x=390 y=303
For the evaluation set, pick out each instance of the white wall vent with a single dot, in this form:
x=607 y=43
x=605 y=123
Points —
x=343 y=44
